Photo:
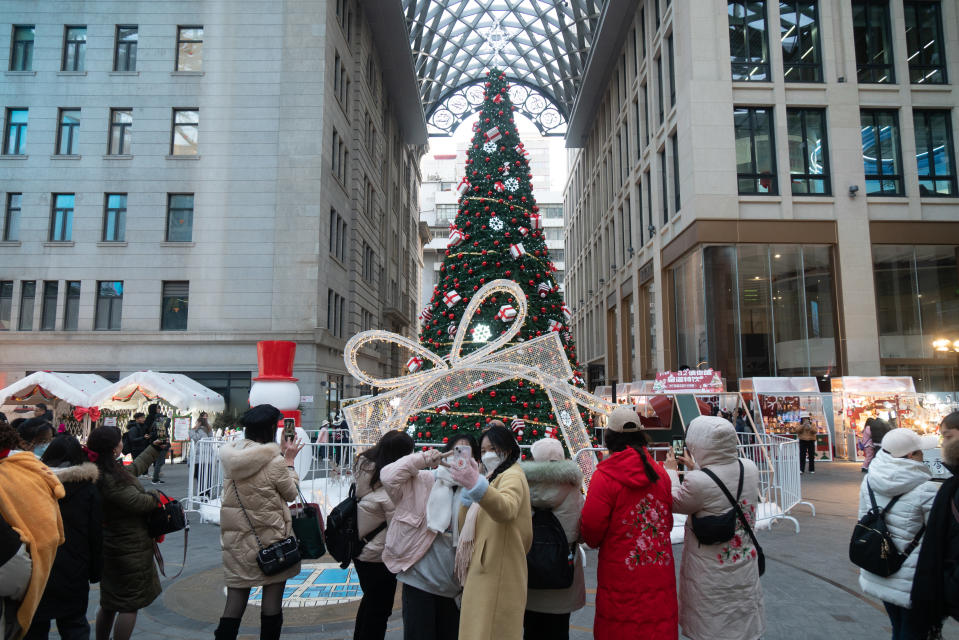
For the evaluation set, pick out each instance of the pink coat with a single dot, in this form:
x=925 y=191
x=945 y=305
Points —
x=408 y=485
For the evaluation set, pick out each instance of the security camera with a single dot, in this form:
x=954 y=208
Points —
x=853 y=190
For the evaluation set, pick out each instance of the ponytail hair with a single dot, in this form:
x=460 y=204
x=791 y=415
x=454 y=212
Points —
x=617 y=441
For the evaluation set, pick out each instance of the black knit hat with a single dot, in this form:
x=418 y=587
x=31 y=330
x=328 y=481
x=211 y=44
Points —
x=262 y=415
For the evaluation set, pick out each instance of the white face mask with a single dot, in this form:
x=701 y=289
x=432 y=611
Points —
x=491 y=461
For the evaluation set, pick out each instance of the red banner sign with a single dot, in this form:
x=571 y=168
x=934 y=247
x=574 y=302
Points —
x=692 y=380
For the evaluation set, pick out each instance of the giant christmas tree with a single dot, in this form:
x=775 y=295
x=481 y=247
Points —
x=497 y=233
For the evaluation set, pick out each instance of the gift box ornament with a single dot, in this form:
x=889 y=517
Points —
x=463 y=186
x=520 y=149
x=517 y=250
x=506 y=313
x=555 y=325
x=551 y=433
x=567 y=313
x=414 y=364
x=443 y=407
x=493 y=135
x=498 y=185
x=536 y=221
x=523 y=231
x=456 y=237
x=451 y=297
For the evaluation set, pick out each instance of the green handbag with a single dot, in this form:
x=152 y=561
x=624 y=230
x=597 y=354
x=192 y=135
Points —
x=308 y=528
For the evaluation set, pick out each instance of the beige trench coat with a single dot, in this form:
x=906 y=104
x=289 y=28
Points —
x=265 y=485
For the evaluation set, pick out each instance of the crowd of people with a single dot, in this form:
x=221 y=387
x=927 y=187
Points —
x=482 y=543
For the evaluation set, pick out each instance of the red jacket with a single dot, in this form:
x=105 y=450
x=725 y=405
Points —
x=629 y=519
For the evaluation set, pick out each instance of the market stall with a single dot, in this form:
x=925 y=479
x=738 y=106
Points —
x=778 y=404
x=68 y=395
x=856 y=399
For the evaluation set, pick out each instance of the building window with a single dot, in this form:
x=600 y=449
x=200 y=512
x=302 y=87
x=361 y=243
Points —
x=15 y=133
x=369 y=262
x=664 y=184
x=109 y=305
x=21 y=53
x=115 y=217
x=370 y=198
x=6 y=304
x=68 y=128
x=748 y=46
x=755 y=150
x=674 y=149
x=28 y=297
x=924 y=42
x=74 y=48
x=881 y=152
x=799 y=33
x=48 y=309
x=671 y=59
x=121 y=124
x=934 y=153
x=334 y=313
x=61 y=219
x=660 y=90
x=872 y=35
x=179 y=219
x=189 y=48
x=186 y=132
x=808 y=151
x=175 y=306
x=337 y=235
x=125 y=51
x=71 y=306
x=11 y=223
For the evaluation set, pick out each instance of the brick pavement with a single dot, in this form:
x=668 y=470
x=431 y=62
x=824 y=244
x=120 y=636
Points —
x=811 y=589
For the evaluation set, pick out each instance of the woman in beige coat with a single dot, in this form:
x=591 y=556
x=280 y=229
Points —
x=720 y=597
x=259 y=480
x=500 y=525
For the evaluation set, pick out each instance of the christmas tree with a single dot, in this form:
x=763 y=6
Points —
x=497 y=233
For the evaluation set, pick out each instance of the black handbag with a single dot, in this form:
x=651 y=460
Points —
x=721 y=528
x=277 y=557
x=760 y=556
x=872 y=547
x=168 y=517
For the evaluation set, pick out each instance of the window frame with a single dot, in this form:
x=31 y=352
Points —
x=166 y=298
x=21 y=132
x=124 y=129
x=946 y=114
x=79 y=48
x=8 y=216
x=881 y=177
x=765 y=65
x=129 y=46
x=66 y=226
x=674 y=149
x=119 y=230
x=671 y=61
x=181 y=41
x=6 y=294
x=872 y=68
x=25 y=320
x=111 y=303
x=23 y=48
x=816 y=66
x=913 y=6
x=755 y=176
x=181 y=126
x=71 y=305
x=806 y=176
x=170 y=209
x=72 y=131
x=48 y=313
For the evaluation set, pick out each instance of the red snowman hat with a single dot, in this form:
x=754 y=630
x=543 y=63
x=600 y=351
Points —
x=275 y=360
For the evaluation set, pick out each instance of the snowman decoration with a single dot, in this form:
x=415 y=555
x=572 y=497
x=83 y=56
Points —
x=276 y=385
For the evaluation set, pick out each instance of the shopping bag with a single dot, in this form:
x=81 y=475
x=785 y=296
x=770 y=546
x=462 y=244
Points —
x=308 y=528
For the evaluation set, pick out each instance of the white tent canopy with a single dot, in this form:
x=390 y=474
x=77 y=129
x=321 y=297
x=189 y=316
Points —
x=183 y=392
x=76 y=389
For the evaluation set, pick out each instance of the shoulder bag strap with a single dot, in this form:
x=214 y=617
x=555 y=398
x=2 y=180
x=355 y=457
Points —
x=372 y=534
x=247 y=516
x=735 y=504
x=742 y=474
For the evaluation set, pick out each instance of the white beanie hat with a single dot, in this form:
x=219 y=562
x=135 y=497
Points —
x=900 y=442
x=547 y=450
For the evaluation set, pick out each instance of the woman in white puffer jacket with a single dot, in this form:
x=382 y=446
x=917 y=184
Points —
x=898 y=470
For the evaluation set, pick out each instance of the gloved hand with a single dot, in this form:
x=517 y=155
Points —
x=468 y=476
x=432 y=457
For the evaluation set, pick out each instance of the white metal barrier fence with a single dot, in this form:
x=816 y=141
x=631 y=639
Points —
x=777 y=459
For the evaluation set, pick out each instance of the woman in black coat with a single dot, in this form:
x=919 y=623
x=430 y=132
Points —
x=79 y=559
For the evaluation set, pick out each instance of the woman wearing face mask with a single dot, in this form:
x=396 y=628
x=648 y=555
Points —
x=497 y=532
x=422 y=537
x=129 y=581
x=36 y=434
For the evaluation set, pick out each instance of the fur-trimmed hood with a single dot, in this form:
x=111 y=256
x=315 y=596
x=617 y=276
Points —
x=244 y=458
x=551 y=482
x=84 y=472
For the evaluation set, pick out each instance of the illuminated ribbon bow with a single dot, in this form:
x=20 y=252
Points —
x=541 y=361
x=93 y=412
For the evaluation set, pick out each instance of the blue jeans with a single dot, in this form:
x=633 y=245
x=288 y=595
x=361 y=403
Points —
x=901 y=620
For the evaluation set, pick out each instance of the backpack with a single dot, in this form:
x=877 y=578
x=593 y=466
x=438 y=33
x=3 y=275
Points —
x=550 y=558
x=343 y=540
x=872 y=547
x=127 y=440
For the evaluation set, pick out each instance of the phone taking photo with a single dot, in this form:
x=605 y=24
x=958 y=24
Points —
x=679 y=447
x=289 y=429
x=463 y=452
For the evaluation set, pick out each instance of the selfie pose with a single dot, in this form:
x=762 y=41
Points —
x=496 y=534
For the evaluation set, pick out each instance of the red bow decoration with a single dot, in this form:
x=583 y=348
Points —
x=91 y=454
x=93 y=412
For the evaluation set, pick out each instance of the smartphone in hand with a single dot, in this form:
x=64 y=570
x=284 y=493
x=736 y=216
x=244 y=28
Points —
x=463 y=452
x=289 y=429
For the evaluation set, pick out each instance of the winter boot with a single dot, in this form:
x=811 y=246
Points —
x=227 y=629
x=270 y=627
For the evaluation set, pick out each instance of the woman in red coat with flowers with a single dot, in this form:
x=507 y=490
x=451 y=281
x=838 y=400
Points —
x=628 y=516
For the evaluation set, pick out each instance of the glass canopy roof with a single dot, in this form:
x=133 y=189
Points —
x=543 y=46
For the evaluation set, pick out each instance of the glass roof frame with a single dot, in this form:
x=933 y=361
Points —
x=545 y=44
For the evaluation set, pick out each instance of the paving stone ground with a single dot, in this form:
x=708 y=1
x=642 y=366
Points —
x=811 y=590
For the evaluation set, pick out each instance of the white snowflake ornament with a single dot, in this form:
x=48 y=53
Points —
x=482 y=333
x=489 y=147
x=511 y=184
x=496 y=224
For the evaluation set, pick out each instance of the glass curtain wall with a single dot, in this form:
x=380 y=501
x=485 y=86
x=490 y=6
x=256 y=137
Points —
x=771 y=310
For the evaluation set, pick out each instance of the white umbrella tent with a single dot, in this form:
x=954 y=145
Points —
x=143 y=387
x=59 y=391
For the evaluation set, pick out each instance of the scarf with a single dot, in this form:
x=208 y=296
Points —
x=439 y=505
x=929 y=608
x=464 y=547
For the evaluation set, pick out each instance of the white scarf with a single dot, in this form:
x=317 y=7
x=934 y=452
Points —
x=439 y=506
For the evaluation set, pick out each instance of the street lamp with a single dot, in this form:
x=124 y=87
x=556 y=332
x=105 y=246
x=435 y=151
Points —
x=945 y=345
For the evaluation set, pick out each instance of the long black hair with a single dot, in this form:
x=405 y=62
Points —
x=391 y=447
x=617 y=441
x=33 y=429
x=103 y=441
x=64 y=450
x=503 y=441
x=469 y=439
x=9 y=437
